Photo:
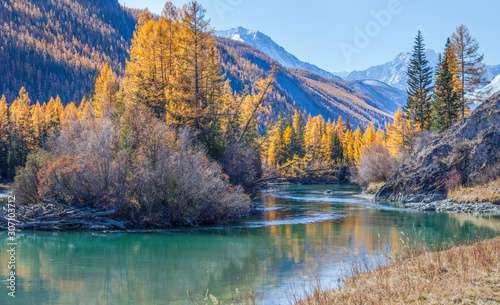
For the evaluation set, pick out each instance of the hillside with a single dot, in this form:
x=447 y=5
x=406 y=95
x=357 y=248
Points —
x=244 y=65
x=266 y=45
x=55 y=47
x=466 y=155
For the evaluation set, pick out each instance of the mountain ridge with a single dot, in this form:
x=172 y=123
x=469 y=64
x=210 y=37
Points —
x=266 y=45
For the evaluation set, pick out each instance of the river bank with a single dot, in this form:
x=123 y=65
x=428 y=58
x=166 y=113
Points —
x=460 y=275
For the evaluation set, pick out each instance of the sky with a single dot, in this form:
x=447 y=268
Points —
x=353 y=35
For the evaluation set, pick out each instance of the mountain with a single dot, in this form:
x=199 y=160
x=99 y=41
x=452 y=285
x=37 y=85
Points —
x=244 y=65
x=386 y=98
x=54 y=47
x=393 y=72
x=491 y=89
x=267 y=46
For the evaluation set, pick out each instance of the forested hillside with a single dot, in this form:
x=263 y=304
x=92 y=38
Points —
x=316 y=95
x=54 y=47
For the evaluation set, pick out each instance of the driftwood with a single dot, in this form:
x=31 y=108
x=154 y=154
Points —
x=53 y=216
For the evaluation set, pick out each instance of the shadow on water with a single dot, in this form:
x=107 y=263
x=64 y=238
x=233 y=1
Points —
x=301 y=229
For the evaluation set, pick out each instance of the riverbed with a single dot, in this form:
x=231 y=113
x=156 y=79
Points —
x=300 y=233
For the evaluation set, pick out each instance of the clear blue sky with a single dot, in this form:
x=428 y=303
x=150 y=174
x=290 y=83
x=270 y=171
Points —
x=323 y=32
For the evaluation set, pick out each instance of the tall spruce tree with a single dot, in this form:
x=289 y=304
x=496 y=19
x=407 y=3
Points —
x=418 y=107
x=446 y=105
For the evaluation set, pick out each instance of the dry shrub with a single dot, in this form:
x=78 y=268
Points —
x=424 y=138
x=374 y=187
x=242 y=165
x=454 y=179
x=376 y=165
x=486 y=192
x=460 y=275
x=26 y=182
x=184 y=187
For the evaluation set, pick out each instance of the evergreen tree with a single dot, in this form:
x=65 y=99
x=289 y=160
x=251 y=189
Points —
x=419 y=86
x=446 y=105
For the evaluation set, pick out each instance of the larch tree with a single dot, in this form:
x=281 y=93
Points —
x=4 y=137
x=446 y=105
x=22 y=128
x=106 y=91
x=298 y=127
x=419 y=86
x=471 y=68
x=39 y=126
x=275 y=149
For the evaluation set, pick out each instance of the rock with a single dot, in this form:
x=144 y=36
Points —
x=430 y=208
x=466 y=154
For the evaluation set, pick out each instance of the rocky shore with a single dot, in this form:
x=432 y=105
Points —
x=448 y=206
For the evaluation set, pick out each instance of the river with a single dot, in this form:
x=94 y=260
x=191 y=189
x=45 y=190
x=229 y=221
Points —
x=302 y=233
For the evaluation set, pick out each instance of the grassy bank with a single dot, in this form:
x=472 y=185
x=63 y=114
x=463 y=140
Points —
x=487 y=192
x=460 y=275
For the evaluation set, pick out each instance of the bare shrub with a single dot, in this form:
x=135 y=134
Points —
x=184 y=187
x=453 y=180
x=26 y=182
x=242 y=165
x=376 y=164
x=424 y=138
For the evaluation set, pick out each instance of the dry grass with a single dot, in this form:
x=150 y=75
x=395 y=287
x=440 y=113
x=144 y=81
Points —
x=487 y=192
x=461 y=275
x=374 y=187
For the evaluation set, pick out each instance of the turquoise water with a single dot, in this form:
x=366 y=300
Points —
x=301 y=233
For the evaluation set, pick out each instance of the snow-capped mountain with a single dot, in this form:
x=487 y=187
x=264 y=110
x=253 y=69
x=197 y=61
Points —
x=394 y=74
x=267 y=46
x=482 y=94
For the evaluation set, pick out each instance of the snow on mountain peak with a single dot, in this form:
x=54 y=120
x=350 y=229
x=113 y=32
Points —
x=267 y=46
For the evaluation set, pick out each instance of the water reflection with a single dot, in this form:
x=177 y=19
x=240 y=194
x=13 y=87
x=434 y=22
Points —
x=301 y=229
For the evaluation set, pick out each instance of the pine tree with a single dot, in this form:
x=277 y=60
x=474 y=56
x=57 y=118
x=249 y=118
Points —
x=419 y=86
x=471 y=68
x=446 y=105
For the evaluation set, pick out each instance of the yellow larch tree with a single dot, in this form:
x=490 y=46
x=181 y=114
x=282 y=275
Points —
x=106 y=92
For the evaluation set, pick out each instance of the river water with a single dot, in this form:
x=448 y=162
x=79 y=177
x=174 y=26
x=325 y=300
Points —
x=301 y=234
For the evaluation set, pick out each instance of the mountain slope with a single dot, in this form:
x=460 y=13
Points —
x=54 y=47
x=316 y=95
x=267 y=46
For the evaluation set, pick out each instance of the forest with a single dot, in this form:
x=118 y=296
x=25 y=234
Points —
x=170 y=142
